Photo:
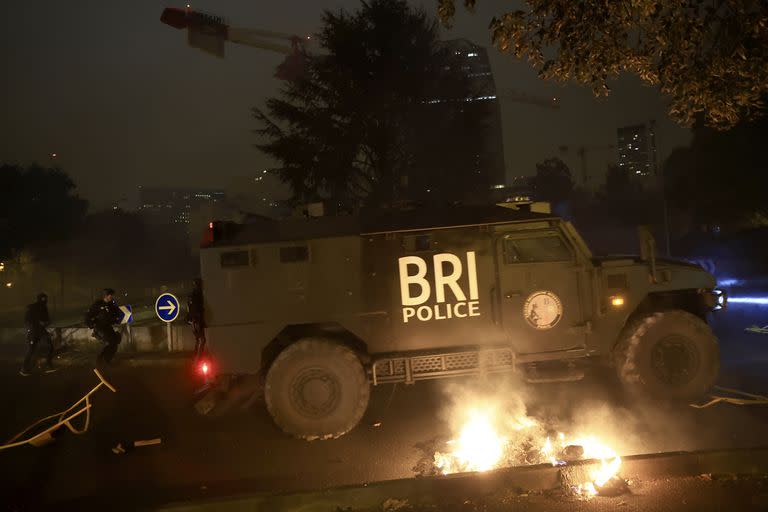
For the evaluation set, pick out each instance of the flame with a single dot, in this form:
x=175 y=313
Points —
x=478 y=448
x=609 y=466
x=481 y=447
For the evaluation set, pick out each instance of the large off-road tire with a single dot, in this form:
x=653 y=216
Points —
x=670 y=355
x=316 y=389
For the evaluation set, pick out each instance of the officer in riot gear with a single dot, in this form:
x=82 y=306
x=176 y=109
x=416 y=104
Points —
x=100 y=317
x=36 y=321
x=196 y=317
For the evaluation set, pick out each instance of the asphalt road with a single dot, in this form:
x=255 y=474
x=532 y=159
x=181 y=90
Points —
x=694 y=494
x=200 y=458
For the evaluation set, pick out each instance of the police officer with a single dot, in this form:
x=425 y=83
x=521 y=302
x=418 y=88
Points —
x=36 y=320
x=196 y=316
x=100 y=317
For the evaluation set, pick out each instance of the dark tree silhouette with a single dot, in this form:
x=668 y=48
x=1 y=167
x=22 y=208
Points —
x=721 y=176
x=618 y=184
x=553 y=181
x=37 y=205
x=628 y=201
x=359 y=124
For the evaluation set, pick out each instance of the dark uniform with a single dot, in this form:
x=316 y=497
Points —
x=196 y=317
x=100 y=317
x=36 y=320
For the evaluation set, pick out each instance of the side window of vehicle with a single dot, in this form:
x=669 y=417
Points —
x=417 y=243
x=536 y=249
x=231 y=259
x=294 y=254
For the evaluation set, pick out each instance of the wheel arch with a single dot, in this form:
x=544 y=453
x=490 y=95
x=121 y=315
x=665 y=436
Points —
x=290 y=334
x=655 y=302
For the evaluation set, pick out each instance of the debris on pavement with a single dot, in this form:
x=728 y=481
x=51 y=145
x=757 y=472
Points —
x=615 y=486
x=126 y=446
x=393 y=505
x=756 y=329
x=39 y=434
x=732 y=396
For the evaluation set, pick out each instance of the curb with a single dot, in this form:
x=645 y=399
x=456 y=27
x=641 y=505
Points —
x=432 y=490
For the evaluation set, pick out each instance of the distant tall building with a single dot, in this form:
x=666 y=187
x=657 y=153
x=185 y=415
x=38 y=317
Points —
x=637 y=150
x=174 y=205
x=487 y=162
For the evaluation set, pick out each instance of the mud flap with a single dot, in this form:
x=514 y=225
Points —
x=240 y=391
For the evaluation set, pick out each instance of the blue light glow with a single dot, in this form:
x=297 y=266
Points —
x=748 y=300
x=729 y=282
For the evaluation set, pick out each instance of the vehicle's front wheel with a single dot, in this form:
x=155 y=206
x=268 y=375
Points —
x=316 y=389
x=670 y=355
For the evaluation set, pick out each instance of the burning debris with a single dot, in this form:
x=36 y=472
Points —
x=489 y=438
x=478 y=448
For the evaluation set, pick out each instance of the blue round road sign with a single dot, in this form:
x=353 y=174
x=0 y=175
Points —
x=167 y=307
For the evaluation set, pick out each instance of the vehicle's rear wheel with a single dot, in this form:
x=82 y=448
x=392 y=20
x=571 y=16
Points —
x=670 y=355
x=316 y=389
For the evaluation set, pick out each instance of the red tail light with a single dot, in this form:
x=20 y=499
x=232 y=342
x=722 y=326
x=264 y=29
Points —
x=210 y=234
x=204 y=368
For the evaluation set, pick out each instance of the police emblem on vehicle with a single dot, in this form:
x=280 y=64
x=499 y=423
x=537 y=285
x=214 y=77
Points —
x=543 y=310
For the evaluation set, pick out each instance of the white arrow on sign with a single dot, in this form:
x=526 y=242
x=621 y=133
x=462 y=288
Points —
x=127 y=315
x=170 y=307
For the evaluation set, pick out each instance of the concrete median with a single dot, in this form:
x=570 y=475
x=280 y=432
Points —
x=145 y=345
x=143 y=338
x=442 y=489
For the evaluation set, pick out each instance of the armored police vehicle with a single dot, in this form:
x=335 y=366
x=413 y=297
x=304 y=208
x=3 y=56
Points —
x=323 y=308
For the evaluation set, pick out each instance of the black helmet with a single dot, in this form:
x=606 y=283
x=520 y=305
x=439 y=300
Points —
x=108 y=291
x=42 y=297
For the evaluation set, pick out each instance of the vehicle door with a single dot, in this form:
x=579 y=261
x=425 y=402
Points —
x=539 y=291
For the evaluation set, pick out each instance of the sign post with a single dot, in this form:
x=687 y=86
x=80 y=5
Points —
x=167 y=310
x=127 y=320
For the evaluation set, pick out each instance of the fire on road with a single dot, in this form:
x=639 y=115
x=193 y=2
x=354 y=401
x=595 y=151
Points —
x=487 y=440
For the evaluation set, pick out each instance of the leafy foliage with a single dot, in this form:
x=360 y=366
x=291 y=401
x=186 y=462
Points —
x=358 y=124
x=37 y=205
x=553 y=181
x=707 y=57
x=721 y=177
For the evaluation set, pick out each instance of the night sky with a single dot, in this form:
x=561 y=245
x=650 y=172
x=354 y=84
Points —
x=124 y=102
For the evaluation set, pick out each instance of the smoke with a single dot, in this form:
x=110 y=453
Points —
x=527 y=416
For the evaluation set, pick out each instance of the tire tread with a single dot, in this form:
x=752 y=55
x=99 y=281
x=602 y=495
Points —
x=315 y=346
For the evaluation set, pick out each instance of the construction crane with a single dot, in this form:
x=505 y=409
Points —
x=209 y=32
x=581 y=152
